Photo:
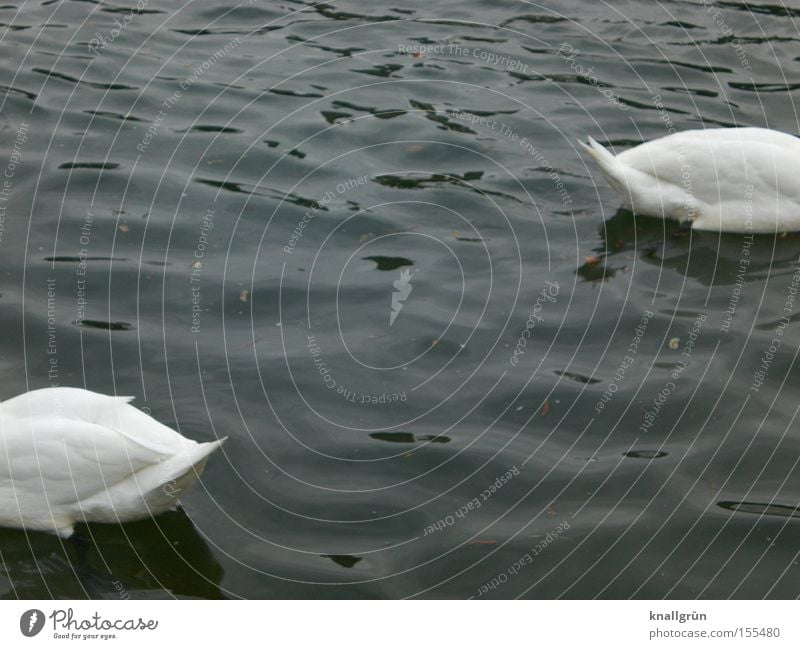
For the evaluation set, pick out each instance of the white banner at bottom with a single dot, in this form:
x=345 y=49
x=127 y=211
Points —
x=400 y=624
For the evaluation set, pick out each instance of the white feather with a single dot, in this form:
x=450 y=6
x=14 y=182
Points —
x=722 y=179
x=69 y=455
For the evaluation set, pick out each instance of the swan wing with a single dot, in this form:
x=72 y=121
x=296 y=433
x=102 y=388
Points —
x=733 y=176
x=68 y=454
x=114 y=413
x=747 y=134
x=718 y=161
x=65 y=460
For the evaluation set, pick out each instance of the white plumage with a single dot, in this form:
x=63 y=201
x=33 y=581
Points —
x=721 y=179
x=69 y=455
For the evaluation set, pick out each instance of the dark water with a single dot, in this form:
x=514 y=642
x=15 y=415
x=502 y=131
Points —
x=159 y=167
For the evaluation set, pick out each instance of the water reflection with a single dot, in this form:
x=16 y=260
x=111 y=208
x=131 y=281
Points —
x=162 y=557
x=712 y=259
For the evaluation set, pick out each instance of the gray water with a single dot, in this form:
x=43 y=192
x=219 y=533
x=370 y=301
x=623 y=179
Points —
x=212 y=207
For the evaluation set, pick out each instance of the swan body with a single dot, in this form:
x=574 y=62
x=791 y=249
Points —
x=70 y=455
x=720 y=179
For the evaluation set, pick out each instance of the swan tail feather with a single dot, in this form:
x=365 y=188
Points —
x=152 y=490
x=602 y=156
x=193 y=464
x=611 y=168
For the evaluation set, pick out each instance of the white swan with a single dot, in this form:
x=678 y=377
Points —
x=720 y=179
x=69 y=455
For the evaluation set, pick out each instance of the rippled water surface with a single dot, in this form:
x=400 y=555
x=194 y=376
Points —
x=360 y=240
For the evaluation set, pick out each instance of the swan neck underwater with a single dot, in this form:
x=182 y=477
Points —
x=740 y=179
x=68 y=455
